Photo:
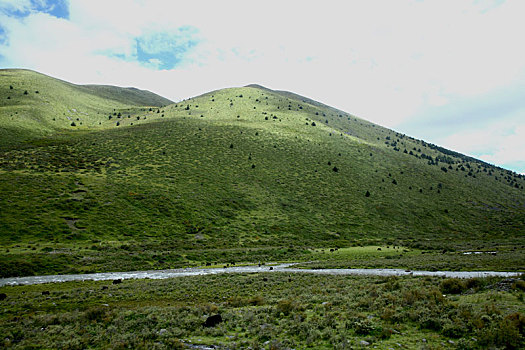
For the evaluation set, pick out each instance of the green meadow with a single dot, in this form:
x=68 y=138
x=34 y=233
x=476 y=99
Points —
x=242 y=174
x=98 y=178
x=270 y=311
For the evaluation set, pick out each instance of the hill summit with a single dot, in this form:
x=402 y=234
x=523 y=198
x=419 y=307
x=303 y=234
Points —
x=105 y=178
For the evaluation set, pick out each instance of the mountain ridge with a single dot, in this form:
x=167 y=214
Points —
x=155 y=99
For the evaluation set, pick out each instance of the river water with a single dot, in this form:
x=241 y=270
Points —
x=161 y=274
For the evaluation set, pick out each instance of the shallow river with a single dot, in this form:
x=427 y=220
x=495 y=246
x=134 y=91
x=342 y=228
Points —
x=160 y=274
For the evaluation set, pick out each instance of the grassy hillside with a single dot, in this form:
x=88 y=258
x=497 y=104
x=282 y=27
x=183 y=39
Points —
x=235 y=175
x=130 y=96
x=35 y=105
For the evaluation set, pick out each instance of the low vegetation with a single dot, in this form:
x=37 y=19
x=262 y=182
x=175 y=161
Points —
x=98 y=178
x=234 y=175
x=270 y=311
x=417 y=259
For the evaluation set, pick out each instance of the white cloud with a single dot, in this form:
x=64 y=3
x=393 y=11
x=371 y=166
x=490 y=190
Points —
x=501 y=142
x=15 y=5
x=387 y=61
x=508 y=149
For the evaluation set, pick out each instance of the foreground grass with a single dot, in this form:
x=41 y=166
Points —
x=270 y=311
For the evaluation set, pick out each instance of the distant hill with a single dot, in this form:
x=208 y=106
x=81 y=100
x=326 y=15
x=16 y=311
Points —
x=33 y=104
x=131 y=96
x=239 y=174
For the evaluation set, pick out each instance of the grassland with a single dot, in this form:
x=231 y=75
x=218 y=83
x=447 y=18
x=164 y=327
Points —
x=33 y=105
x=235 y=175
x=417 y=259
x=97 y=178
x=270 y=311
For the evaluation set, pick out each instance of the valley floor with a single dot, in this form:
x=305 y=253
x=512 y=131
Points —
x=267 y=311
x=32 y=259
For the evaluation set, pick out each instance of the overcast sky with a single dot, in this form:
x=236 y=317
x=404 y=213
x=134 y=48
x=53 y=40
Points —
x=449 y=72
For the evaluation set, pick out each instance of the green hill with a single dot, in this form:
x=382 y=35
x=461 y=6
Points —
x=241 y=174
x=130 y=96
x=33 y=104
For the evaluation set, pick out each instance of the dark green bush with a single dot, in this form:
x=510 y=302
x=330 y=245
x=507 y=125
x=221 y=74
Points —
x=503 y=334
x=96 y=313
x=453 y=286
x=454 y=328
x=286 y=306
x=473 y=283
x=366 y=327
x=519 y=285
x=430 y=321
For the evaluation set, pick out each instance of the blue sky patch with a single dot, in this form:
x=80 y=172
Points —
x=112 y=54
x=56 y=8
x=3 y=35
x=166 y=50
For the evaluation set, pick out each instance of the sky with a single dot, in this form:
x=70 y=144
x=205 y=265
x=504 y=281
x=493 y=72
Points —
x=450 y=72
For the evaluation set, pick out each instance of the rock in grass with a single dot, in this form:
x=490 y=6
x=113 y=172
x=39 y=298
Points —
x=212 y=321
